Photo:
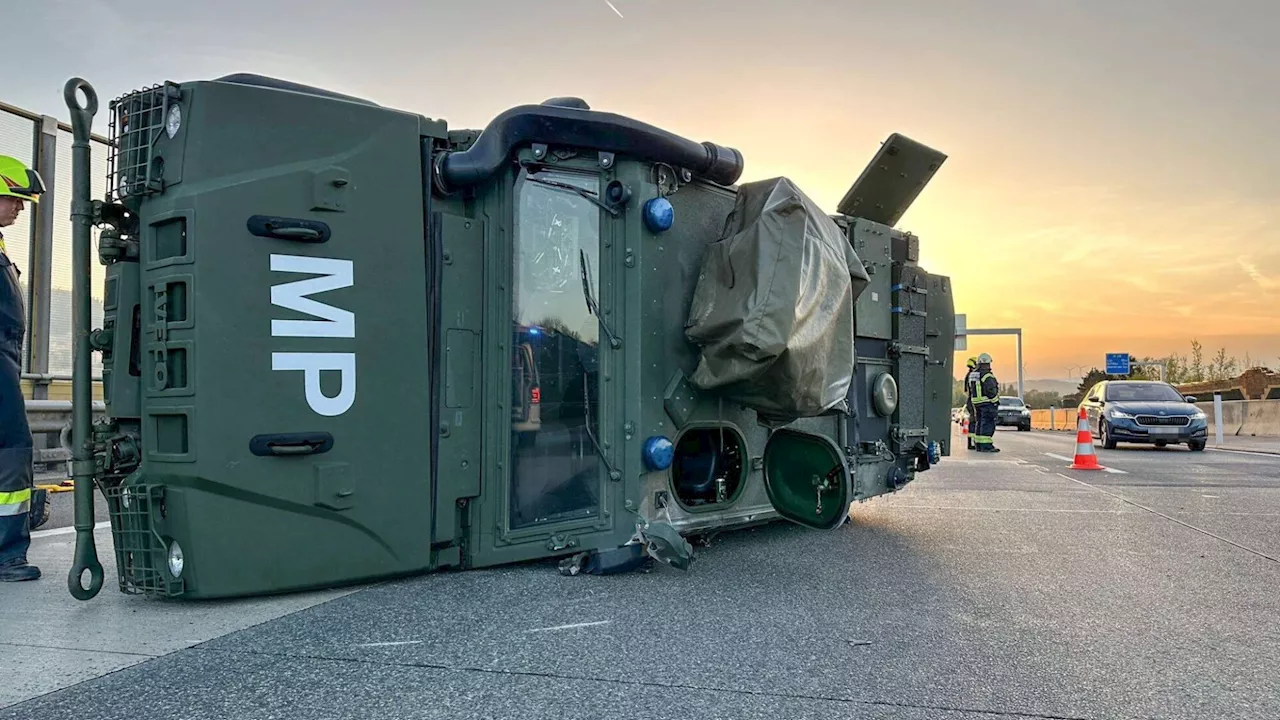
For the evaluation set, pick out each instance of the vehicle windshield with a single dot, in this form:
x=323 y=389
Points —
x=1010 y=402
x=1142 y=392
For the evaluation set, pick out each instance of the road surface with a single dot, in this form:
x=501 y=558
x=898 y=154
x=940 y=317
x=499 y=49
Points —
x=1002 y=586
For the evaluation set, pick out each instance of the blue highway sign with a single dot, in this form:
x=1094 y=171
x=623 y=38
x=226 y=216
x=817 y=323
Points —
x=1117 y=363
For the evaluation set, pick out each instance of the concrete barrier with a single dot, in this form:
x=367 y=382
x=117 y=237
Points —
x=1246 y=418
x=1062 y=420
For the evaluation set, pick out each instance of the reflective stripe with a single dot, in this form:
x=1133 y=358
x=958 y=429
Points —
x=978 y=397
x=17 y=496
x=15 y=503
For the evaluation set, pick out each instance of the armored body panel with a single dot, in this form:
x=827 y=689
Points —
x=343 y=342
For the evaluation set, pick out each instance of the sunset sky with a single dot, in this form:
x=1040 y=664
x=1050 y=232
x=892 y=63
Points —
x=1114 y=165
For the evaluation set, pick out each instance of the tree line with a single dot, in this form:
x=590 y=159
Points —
x=1179 y=370
x=1034 y=399
x=1188 y=369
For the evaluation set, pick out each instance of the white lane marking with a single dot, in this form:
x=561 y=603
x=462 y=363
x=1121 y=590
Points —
x=1214 y=497
x=985 y=461
x=1072 y=460
x=390 y=644
x=1011 y=509
x=1202 y=531
x=570 y=627
x=66 y=530
x=1246 y=452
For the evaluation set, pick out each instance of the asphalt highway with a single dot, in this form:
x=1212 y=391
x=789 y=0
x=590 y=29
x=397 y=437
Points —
x=995 y=586
x=62 y=510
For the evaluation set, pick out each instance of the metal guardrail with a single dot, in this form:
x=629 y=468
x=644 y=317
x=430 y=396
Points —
x=53 y=417
x=39 y=243
x=36 y=117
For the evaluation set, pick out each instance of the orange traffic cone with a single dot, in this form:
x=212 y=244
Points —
x=1085 y=458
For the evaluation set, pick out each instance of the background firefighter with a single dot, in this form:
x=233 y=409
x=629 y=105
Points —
x=970 y=380
x=985 y=397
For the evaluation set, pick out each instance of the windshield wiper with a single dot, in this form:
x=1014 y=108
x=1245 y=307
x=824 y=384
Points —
x=574 y=188
x=592 y=306
x=586 y=408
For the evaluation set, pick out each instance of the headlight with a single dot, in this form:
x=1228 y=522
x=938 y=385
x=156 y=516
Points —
x=173 y=121
x=1025 y=411
x=1198 y=415
x=1119 y=415
x=176 y=560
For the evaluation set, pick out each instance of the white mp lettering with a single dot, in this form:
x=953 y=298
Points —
x=336 y=274
x=311 y=363
x=335 y=323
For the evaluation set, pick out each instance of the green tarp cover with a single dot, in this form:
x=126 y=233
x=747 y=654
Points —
x=772 y=312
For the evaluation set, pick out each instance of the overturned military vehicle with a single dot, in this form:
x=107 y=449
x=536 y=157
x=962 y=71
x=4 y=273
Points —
x=344 y=342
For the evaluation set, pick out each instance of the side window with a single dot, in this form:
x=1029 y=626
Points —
x=555 y=471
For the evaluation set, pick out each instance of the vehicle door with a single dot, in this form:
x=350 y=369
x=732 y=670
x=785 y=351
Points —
x=1092 y=404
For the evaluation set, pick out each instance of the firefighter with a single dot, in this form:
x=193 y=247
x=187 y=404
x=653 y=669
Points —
x=986 y=399
x=969 y=381
x=18 y=186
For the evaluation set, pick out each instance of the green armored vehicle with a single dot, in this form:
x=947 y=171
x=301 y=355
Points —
x=344 y=342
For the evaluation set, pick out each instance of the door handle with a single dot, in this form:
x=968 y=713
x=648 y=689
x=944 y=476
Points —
x=283 y=228
x=291 y=444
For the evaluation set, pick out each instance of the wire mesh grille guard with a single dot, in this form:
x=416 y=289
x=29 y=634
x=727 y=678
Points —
x=137 y=120
x=141 y=558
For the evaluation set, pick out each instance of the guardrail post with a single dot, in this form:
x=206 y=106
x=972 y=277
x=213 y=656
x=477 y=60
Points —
x=41 y=282
x=1053 y=417
x=1217 y=416
x=40 y=285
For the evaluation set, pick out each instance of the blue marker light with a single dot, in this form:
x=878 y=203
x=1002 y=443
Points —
x=659 y=216
x=658 y=453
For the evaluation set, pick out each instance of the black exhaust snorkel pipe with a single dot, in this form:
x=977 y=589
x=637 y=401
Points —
x=570 y=122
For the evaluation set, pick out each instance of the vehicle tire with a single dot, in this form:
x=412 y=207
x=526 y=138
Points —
x=1108 y=442
x=1196 y=445
x=1024 y=428
x=1161 y=443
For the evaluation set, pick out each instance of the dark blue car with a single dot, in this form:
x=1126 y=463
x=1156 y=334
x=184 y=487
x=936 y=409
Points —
x=1144 y=411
